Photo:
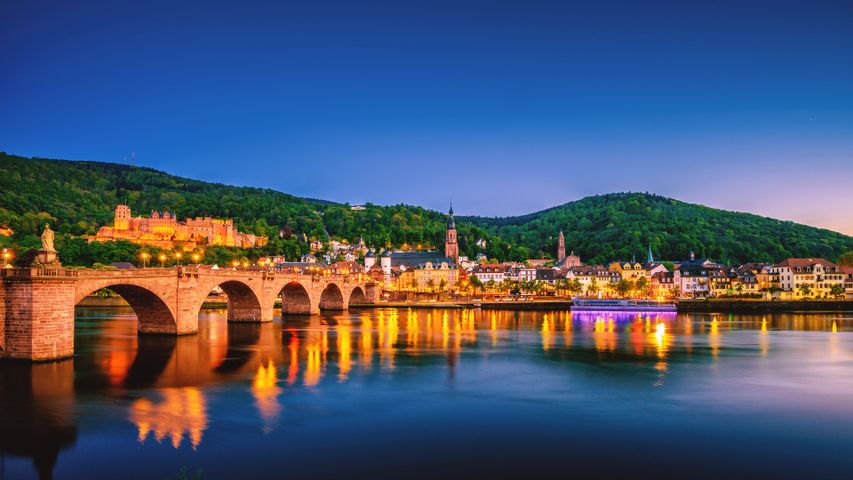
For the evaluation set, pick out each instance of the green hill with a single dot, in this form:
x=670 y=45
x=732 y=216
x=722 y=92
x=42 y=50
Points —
x=77 y=197
x=621 y=225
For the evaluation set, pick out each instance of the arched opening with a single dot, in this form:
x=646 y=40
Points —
x=357 y=297
x=152 y=314
x=331 y=298
x=295 y=300
x=243 y=304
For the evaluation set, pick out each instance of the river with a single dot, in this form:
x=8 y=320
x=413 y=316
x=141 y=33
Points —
x=443 y=393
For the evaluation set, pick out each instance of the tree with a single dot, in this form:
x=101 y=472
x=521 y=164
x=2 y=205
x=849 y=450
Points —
x=574 y=287
x=642 y=286
x=623 y=287
x=846 y=259
x=476 y=283
x=593 y=287
x=805 y=290
x=837 y=291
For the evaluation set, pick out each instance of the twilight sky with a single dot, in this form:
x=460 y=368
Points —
x=505 y=107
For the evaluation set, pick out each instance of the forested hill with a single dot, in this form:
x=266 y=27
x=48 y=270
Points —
x=77 y=197
x=622 y=225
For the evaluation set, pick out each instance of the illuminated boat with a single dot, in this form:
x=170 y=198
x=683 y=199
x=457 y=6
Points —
x=620 y=305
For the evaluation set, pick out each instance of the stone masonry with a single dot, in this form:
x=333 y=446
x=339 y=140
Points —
x=37 y=305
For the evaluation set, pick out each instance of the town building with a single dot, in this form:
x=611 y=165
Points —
x=666 y=284
x=848 y=282
x=694 y=281
x=809 y=278
x=628 y=270
x=548 y=276
x=420 y=269
x=593 y=279
x=162 y=229
x=569 y=261
x=526 y=274
x=494 y=272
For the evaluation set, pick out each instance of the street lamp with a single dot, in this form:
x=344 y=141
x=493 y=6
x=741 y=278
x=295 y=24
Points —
x=162 y=258
x=196 y=257
x=7 y=255
x=178 y=256
x=144 y=256
x=235 y=263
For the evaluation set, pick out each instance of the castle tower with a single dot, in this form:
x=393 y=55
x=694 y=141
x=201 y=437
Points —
x=122 y=218
x=451 y=247
x=561 y=247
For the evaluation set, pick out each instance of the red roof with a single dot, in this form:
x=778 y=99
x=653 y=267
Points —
x=804 y=262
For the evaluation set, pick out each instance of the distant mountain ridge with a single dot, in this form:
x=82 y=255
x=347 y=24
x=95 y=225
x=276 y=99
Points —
x=80 y=196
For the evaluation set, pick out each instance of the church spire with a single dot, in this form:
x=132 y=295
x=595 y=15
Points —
x=451 y=247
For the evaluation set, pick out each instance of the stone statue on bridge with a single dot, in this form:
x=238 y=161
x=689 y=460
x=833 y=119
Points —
x=46 y=256
x=47 y=239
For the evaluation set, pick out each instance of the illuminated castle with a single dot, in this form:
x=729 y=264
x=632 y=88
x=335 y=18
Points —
x=164 y=230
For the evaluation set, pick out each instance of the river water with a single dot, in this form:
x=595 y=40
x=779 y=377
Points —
x=397 y=393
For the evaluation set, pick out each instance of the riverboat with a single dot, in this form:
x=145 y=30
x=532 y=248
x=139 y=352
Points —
x=620 y=305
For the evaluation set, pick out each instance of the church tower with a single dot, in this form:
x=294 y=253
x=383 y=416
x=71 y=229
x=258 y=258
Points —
x=561 y=247
x=451 y=247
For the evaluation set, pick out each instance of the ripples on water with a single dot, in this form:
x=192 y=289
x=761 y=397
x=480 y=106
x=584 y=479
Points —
x=396 y=393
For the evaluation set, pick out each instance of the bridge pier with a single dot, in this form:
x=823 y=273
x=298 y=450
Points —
x=38 y=314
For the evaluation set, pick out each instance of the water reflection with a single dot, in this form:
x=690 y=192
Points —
x=179 y=411
x=164 y=384
x=265 y=389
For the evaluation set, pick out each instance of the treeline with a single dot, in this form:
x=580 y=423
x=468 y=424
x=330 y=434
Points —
x=78 y=197
x=623 y=225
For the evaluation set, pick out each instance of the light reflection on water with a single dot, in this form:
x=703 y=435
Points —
x=141 y=407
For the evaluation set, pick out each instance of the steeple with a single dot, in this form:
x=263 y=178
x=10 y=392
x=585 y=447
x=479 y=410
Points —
x=650 y=258
x=451 y=247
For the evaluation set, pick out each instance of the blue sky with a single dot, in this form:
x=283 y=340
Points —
x=505 y=107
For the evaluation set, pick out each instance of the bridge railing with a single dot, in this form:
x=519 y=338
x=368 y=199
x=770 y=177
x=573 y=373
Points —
x=37 y=272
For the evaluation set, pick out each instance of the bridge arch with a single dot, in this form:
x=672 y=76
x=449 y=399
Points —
x=296 y=299
x=332 y=298
x=357 y=296
x=153 y=314
x=244 y=305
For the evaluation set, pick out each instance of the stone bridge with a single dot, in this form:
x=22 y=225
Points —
x=37 y=305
